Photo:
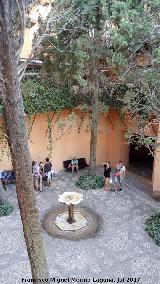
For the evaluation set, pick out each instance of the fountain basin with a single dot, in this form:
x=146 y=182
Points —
x=62 y=224
x=83 y=233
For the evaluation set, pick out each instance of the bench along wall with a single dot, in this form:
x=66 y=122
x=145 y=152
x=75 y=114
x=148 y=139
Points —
x=73 y=139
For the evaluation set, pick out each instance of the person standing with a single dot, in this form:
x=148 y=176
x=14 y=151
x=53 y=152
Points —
x=48 y=171
x=37 y=177
x=121 y=170
x=107 y=175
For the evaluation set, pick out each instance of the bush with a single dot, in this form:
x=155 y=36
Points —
x=90 y=182
x=152 y=226
x=6 y=209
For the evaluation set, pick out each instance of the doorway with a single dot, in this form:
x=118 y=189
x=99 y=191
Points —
x=140 y=160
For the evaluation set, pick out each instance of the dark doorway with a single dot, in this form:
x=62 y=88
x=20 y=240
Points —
x=140 y=160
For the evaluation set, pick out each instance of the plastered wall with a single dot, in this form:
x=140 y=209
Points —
x=156 y=168
x=71 y=142
x=37 y=10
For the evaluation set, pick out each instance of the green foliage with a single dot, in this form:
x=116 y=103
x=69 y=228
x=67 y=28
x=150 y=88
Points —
x=156 y=56
x=39 y=99
x=152 y=226
x=50 y=139
x=6 y=209
x=119 y=26
x=132 y=22
x=141 y=140
x=68 y=58
x=46 y=100
x=142 y=97
x=3 y=143
x=90 y=182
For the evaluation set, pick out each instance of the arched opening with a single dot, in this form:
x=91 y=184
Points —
x=140 y=159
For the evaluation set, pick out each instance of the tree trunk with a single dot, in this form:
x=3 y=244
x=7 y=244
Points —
x=93 y=140
x=95 y=82
x=15 y=127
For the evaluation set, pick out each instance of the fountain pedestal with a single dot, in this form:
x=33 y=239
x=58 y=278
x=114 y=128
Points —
x=71 y=219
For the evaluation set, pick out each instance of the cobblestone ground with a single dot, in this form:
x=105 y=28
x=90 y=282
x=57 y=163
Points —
x=121 y=247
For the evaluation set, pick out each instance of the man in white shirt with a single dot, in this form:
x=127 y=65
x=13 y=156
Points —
x=122 y=170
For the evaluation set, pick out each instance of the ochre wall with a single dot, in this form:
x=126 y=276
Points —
x=43 y=11
x=156 y=169
x=110 y=143
x=28 y=37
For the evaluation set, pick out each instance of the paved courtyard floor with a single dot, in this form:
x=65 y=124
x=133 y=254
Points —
x=120 y=249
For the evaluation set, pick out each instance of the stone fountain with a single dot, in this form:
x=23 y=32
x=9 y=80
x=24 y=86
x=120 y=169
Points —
x=70 y=222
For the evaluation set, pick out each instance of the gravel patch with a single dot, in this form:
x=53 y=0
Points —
x=120 y=248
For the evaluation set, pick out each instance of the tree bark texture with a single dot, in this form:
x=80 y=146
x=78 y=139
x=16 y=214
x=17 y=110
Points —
x=16 y=131
x=94 y=76
x=93 y=139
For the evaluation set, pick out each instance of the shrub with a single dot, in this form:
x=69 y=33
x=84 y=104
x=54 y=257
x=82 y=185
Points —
x=6 y=209
x=152 y=226
x=90 y=182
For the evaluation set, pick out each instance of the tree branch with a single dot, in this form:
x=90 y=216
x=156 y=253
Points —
x=21 y=11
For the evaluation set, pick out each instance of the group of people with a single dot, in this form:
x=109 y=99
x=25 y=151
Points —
x=41 y=171
x=113 y=181
x=116 y=178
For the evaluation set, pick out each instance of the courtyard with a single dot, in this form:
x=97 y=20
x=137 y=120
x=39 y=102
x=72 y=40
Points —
x=79 y=80
x=120 y=249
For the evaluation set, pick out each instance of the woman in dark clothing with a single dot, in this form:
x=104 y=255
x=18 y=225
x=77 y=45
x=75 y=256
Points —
x=107 y=174
x=47 y=171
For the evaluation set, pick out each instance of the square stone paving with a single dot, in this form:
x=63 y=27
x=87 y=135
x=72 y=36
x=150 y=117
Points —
x=120 y=249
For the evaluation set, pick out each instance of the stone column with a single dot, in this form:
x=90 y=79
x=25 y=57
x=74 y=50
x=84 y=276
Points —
x=156 y=170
